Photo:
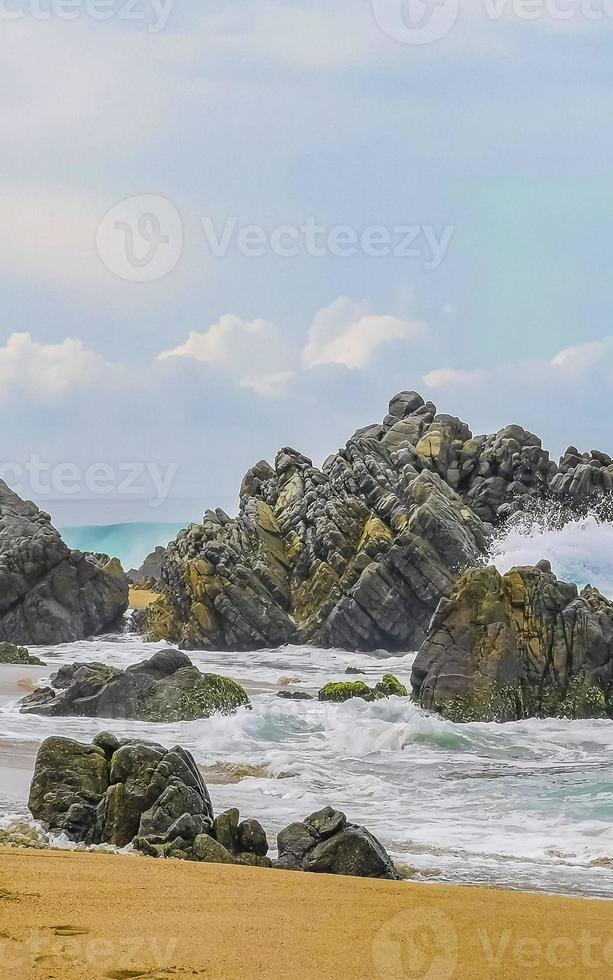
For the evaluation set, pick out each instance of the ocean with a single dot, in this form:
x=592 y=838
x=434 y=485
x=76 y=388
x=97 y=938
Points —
x=526 y=805
x=131 y=543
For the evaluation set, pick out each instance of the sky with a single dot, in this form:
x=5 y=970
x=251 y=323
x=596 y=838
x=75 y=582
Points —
x=234 y=226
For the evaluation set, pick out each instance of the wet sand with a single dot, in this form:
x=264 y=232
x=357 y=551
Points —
x=67 y=915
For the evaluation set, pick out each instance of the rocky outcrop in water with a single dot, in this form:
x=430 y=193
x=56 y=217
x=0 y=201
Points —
x=339 y=691
x=165 y=688
x=134 y=792
x=505 y=647
x=326 y=843
x=48 y=593
x=10 y=654
x=358 y=554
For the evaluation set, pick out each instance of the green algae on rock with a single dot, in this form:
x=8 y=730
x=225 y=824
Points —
x=340 y=691
x=506 y=647
x=20 y=656
x=166 y=688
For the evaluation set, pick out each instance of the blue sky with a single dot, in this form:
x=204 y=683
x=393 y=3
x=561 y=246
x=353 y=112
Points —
x=493 y=140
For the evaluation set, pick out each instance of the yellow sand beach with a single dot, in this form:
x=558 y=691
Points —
x=141 y=598
x=66 y=915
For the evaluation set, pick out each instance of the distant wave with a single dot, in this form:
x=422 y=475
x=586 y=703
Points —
x=131 y=543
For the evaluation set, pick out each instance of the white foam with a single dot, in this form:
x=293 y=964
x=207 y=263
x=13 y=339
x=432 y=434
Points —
x=580 y=552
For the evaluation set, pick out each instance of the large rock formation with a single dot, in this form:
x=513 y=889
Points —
x=48 y=593
x=163 y=689
x=135 y=792
x=505 y=647
x=358 y=554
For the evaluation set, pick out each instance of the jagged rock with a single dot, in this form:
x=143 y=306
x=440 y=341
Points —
x=69 y=782
x=136 y=792
x=165 y=688
x=10 y=654
x=149 y=572
x=48 y=593
x=326 y=843
x=505 y=647
x=295 y=696
x=340 y=691
x=358 y=554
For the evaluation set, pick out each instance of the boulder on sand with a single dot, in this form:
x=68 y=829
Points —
x=136 y=792
x=505 y=647
x=166 y=688
x=325 y=842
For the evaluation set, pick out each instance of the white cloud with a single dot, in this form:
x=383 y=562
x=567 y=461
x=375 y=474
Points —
x=253 y=353
x=346 y=333
x=574 y=362
x=565 y=399
x=578 y=366
x=45 y=372
x=450 y=377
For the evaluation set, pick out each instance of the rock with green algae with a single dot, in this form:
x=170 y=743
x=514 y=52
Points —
x=11 y=654
x=166 y=688
x=119 y=792
x=506 y=647
x=340 y=691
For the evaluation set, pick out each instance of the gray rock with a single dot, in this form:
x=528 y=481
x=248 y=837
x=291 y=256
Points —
x=210 y=851
x=326 y=843
x=359 y=553
x=165 y=688
x=505 y=647
x=48 y=593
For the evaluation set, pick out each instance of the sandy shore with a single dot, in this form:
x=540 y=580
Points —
x=141 y=598
x=66 y=915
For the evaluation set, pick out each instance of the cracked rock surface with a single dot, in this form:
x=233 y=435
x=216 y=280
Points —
x=358 y=553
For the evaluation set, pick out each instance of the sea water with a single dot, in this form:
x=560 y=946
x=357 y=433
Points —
x=524 y=805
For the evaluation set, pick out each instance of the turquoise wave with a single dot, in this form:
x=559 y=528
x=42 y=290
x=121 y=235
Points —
x=131 y=543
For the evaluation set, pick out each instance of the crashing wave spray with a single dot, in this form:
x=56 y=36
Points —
x=580 y=550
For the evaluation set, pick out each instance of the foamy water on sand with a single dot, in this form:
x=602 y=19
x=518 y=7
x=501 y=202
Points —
x=525 y=805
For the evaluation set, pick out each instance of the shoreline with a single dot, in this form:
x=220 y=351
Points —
x=70 y=915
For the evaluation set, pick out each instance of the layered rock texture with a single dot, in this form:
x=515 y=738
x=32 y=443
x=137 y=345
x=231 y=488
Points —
x=358 y=554
x=139 y=793
x=505 y=647
x=48 y=593
x=165 y=688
